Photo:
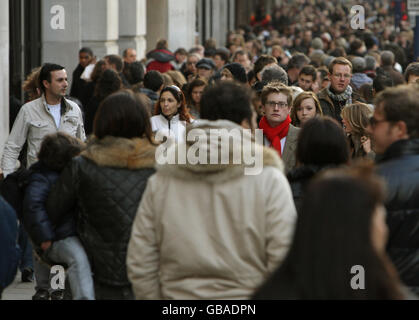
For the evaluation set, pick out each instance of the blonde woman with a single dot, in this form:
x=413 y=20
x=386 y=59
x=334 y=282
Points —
x=305 y=107
x=355 y=119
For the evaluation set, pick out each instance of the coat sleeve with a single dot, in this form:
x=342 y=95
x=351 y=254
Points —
x=63 y=197
x=9 y=250
x=15 y=142
x=35 y=217
x=280 y=218
x=143 y=251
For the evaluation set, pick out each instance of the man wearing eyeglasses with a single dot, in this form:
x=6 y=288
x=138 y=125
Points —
x=339 y=93
x=395 y=134
x=278 y=131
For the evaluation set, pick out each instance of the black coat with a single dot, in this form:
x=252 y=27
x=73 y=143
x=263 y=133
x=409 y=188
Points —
x=299 y=179
x=35 y=218
x=9 y=249
x=105 y=184
x=400 y=169
x=78 y=85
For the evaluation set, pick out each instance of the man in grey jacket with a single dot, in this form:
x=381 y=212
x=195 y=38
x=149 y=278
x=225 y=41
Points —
x=48 y=114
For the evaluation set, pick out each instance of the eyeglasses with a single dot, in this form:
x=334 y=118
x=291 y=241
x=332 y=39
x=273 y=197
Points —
x=280 y=104
x=339 y=75
x=374 y=122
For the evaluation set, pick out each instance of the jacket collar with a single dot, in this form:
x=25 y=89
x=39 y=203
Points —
x=401 y=148
x=65 y=106
x=117 y=152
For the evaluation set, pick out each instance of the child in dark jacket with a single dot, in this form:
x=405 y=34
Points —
x=55 y=240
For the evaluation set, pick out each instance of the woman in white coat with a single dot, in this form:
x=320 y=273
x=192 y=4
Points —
x=171 y=115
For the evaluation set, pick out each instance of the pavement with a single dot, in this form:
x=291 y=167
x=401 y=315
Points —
x=19 y=290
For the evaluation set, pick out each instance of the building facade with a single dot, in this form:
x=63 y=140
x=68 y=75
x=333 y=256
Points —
x=33 y=32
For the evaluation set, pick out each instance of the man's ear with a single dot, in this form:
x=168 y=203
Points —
x=401 y=130
x=45 y=83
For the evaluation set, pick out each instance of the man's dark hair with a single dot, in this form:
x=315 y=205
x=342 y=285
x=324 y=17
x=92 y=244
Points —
x=226 y=100
x=134 y=72
x=412 y=69
x=116 y=61
x=322 y=142
x=309 y=71
x=57 y=150
x=401 y=103
x=298 y=61
x=181 y=51
x=153 y=80
x=123 y=114
x=274 y=73
x=387 y=58
x=382 y=80
x=108 y=83
x=263 y=61
x=223 y=55
x=86 y=50
x=45 y=73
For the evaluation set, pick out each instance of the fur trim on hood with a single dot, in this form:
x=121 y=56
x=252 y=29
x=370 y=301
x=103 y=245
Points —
x=117 y=152
x=203 y=169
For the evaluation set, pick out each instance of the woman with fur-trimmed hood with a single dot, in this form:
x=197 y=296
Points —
x=105 y=185
x=207 y=228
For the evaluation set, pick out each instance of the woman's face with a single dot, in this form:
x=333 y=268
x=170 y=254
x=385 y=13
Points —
x=196 y=94
x=168 y=104
x=346 y=125
x=306 y=110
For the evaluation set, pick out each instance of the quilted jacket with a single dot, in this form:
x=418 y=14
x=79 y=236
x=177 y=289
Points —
x=105 y=184
x=400 y=169
x=35 y=217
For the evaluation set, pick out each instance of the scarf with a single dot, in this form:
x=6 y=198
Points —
x=275 y=135
x=342 y=97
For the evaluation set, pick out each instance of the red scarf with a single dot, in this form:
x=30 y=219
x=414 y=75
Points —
x=275 y=135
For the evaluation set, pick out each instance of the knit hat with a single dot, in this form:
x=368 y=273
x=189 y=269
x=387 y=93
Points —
x=238 y=72
x=205 y=63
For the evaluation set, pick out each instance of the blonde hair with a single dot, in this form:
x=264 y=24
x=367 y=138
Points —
x=177 y=77
x=297 y=102
x=358 y=115
x=276 y=87
x=31 y=85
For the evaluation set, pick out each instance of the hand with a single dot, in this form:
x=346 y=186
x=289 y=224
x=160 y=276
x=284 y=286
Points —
x=366 y=144
x=45 y=245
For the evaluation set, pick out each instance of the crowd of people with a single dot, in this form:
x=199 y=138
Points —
x=338 y=112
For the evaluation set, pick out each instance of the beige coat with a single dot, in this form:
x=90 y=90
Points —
x=209 y=231
x=32 y=124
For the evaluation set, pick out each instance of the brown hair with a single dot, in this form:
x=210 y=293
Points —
x=123 y=114
x=179 y=96
x=276 y=87
x=339 y=60
x=31 y=85
x=57 y=149
x=297 y=102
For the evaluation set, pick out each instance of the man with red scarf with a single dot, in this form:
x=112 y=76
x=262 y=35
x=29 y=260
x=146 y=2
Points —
x=278 y=131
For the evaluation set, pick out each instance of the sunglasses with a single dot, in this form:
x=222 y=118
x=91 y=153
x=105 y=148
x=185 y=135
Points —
x=374 y=122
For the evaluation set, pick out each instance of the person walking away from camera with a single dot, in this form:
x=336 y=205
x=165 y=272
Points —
x=105 y=185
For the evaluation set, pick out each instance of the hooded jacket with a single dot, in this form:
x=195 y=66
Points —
x=160 y=60
x=105 y=185
x=208 y=231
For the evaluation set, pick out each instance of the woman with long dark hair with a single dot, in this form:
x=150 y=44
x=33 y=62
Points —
x=105 y=185
x=341 y=233
x=171 y=115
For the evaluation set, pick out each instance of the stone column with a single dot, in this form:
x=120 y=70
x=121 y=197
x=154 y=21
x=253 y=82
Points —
x=133 y=26
x=100 y=26
x=4 y=73
x=173 y=20
x=61 y=33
